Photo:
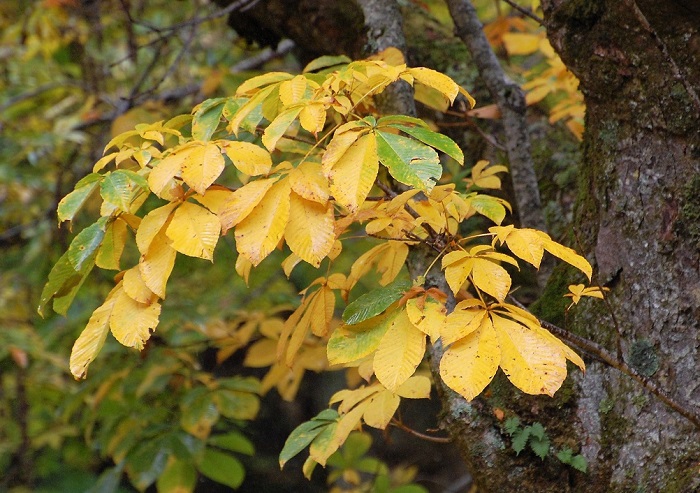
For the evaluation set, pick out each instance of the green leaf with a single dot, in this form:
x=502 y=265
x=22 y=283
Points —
x=375 y=302
x=146 y=462
x=199 y=412
x=178 y=477
x=242 y=384
x=237 y=405
x=84 y=246
x=488 y=206
x=301 y=437
x=579 y=463
x=520 y=439
x=222 y=468
x=511 y=425
x=408 y=488
x=233 y=442
x=71 y=204
x=537 y=430
x=540 y=446
x=326 y=62
x=120 y=187
x=109 y=480
x=393 y=120
x=436 y=140
x=63 y=284
x=409 y=161
x=207 y=117
x=276 y=129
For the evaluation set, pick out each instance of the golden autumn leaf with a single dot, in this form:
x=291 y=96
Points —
x=470 y=364
x=202 y=167
x=194 y=231
x=131 y=322
x=112 y=246
x=262 y=229
x=416 y=387
x=399 y=353
x=313 y=117
x=92 y=338
x=248 y=158
x=566 y=254
x=157 y=263
x=307 y=180
x=310 y=232
x=467 y=317
x=389 y=258
x=427 y=315
x=352 y=176
x=151 y=225
x=530 y=360
x=171 y=165
x=135 y=287
x=242 y=202
x=381 y=409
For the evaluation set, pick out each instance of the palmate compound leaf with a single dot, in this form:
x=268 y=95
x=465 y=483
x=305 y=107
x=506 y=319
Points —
x=194 y=231
x=92 y=338
x=310 y=232
x=399 y=353
x=262 y=229
x=525 y=243
x=352 y=175
x=480 y=264
x=470 y=364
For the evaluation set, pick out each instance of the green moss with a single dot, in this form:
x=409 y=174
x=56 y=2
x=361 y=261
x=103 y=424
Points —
x=643 y=357
x=606 y=405
x=551 y=306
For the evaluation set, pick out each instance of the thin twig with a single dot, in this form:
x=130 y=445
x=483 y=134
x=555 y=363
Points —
x=398 y=424
x=603 y=355
x=526 y=12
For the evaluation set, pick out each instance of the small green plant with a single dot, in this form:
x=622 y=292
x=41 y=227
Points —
x=536 y=436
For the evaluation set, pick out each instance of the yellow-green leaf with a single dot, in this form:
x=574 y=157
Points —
x=194 y=231
x=350 y=343
x=112 y=247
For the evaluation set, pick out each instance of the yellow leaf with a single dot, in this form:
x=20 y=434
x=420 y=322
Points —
x=338 y=146
x=261 y=230
x=470 y=364
x=242 y=202
x=194 y=231
x=467 y=317
x=484 y=175
x=157 y=264
x=243 y=267
x=427 y=315
x=381 y=409
x=566 y=254
x=202 y=166
x=292 y=91
x=568 y=352
x=347 y=423
x=135 y=287
x=249 y=158
x=416 y=387
x=457 y=265
x=349 y=398
x=530 y=360
x=521 y=43
x=352 y=176
x=313 y=117
x=325 y=444
x=399 y=353
x=526 y=244
x=214 y=198
x=261 y=354
x=92 y=338
x=131 y=322
x=171 y=166
x=321 y=311
x=577 y=291
x=310 y=232
x=389 y=257
x=436 y=80
x=308 y=181
x=491 y=278
x=151 y=225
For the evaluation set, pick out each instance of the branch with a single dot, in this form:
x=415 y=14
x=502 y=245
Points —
x=511 y=101
x=525 y=12
x=422 y=436
x=604 y=356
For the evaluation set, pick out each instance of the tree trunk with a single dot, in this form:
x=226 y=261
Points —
x=638 y=221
